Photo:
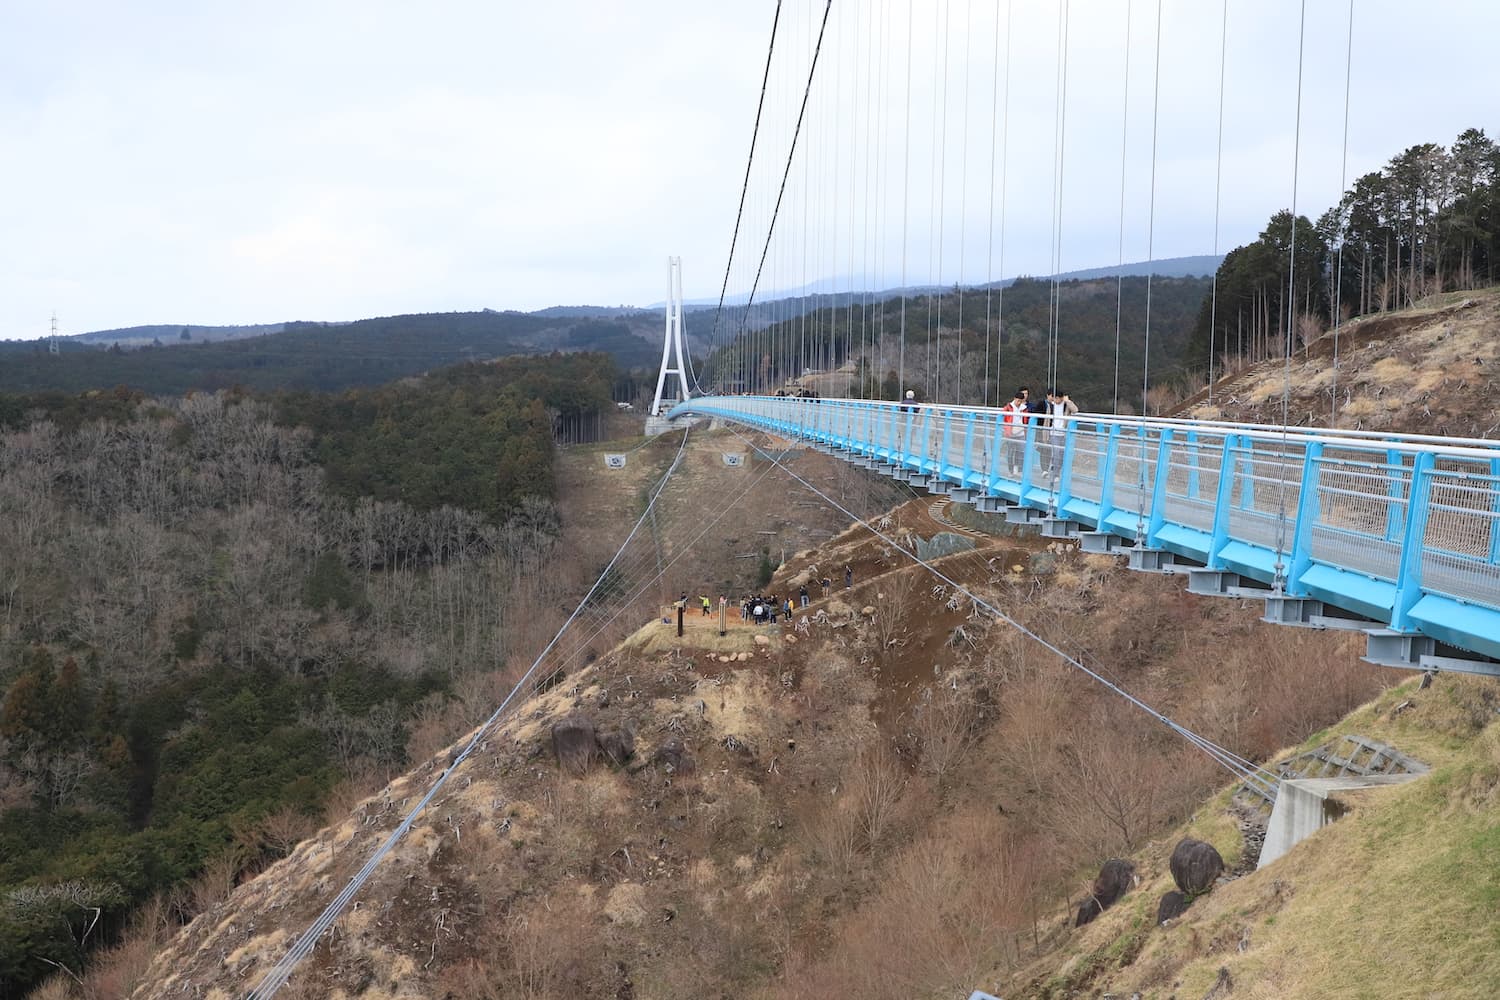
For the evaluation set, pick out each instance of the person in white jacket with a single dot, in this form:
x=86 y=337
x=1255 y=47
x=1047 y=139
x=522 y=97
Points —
x=1060 y=406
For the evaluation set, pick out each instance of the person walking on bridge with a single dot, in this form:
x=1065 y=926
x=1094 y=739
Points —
x=1013 y=420
x=1059 y=408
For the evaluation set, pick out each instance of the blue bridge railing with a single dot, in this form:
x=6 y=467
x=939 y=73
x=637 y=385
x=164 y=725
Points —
x=1401 y=532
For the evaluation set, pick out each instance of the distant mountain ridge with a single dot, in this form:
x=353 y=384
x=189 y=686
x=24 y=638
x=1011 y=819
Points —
x=767 y=310
x=169 y=333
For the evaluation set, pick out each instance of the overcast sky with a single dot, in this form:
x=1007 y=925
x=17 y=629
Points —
x=225 y=163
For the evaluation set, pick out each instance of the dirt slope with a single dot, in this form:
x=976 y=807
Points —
x=785 y=784
x=1434 y=369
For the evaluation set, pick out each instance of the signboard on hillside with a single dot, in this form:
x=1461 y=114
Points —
x=614 y=461
x=733 y=459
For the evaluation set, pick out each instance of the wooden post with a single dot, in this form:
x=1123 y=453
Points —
x=681 y=610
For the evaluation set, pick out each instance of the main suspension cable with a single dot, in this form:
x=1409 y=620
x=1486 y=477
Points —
x=1338 y=278
x=1120 y=275
x=1279 y=581
x=791 y=153
x=749 y=163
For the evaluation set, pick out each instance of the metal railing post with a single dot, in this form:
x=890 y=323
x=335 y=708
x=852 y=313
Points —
x=1228 y=462
x=1107 y=477
x=946 y=440
x=1495 y=508
x=1159 y=486
x=1307 y=515
x=1409 y=580
x=968 y=468
x=1065 y=471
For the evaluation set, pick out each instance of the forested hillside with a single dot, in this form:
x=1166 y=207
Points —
x=220 y=615
x=1427 y=222
x=973 y=346
x=323 y=357
x=477 y=436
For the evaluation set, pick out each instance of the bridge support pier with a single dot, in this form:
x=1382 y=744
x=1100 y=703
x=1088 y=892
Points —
x=1222 y=583
x=1148 y=560
x=1100 y=543
x=1307 y=612
x=1388 y=648
x=1059 y=527
x=1024 y=515
x=962 y=494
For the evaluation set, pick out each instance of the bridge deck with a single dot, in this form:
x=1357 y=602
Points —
x=1402 y=531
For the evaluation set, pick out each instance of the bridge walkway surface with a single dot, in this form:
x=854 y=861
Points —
x=1397 y=536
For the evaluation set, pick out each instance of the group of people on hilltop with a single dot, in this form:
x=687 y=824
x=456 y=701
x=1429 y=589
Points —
x=769 y=609
x=764 y=610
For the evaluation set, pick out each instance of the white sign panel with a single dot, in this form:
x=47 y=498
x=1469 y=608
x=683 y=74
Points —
x=614 y=461
x=733 y=459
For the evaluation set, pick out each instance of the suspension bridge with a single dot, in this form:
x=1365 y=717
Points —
x=1396 y=536
x=1393 y=535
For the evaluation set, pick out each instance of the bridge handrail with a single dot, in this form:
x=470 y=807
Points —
x=1483 y=448
x=1403 y=529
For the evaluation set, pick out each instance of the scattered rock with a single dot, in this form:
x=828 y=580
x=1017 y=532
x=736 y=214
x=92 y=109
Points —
x=617 y=745
x=743 y=657
x=1114 y=880
x=674 y=756
x=1173 y=905
x=573 y=742
x=762 y=640
x=791 y=640
x=725 y=658
x=867 y=610
x=1222 y=987
x=1195 y=865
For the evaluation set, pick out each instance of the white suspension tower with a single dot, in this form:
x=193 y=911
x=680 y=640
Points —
x=672 y=344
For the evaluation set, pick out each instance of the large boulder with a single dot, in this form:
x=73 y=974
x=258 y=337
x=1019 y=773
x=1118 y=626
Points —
x=573 y=742
x=1114 y=880
x=944 y=543
x=1173 y=905
x=1195 y=865
x=617 y=745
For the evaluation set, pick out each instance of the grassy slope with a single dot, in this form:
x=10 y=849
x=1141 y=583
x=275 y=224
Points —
x=1397 y=899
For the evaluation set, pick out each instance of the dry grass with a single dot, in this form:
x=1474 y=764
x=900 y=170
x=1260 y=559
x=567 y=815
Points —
x=1300 y=928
